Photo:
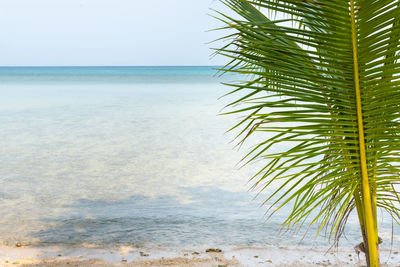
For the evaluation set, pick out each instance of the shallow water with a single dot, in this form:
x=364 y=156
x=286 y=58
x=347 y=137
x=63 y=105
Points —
x=128 y=156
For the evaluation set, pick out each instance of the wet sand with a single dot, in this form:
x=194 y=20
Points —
x=233 y=257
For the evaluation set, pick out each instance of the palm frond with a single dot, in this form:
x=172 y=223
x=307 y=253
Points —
x=303 y=91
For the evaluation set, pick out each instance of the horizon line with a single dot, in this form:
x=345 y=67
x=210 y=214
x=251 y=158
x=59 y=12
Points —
x=58 y=66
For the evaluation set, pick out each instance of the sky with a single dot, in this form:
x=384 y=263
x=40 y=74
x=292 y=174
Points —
x=108 y=32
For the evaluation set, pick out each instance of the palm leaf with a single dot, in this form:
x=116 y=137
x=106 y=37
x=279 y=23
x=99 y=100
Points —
x=325 y=82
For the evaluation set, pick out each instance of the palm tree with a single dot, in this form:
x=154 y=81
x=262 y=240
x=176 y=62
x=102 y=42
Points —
x=322 y=79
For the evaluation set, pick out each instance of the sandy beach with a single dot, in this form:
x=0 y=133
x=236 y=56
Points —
x=234 y=257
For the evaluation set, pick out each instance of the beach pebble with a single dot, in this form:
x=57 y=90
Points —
x=143 y=254
x=124 y=260
x=269 y=261
x=19 y=244
x=213 y=250
x=195 y=253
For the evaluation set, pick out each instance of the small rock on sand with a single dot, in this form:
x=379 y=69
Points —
x=213 y=250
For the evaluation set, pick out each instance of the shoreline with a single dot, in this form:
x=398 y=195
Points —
x=230 y=256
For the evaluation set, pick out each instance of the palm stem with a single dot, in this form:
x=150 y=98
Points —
x=366 y=193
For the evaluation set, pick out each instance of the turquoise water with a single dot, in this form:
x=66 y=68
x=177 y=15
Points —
x=127 y=156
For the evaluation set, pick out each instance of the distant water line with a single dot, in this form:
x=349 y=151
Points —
x=116 y=75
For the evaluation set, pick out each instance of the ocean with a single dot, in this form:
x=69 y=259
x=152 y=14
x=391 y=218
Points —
x=132 y=156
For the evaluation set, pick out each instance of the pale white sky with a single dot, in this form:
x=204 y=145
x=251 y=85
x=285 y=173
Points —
x=107 y=32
